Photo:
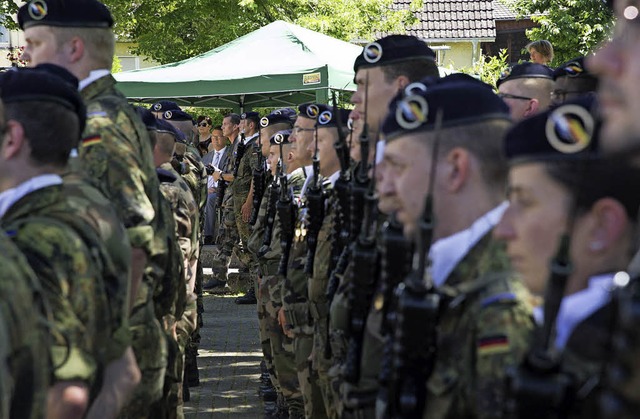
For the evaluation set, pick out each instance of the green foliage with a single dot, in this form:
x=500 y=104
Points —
x=116 y=67
x=173 y=30
x=574 y=27
x=488 y=69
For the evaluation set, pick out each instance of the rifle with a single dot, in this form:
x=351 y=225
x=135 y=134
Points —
x=340 y=232
x=362 y=281
x=258 y=181
x=286 y=216
x=270 y=216
x=315 y=211
x=418 y=307
x=240 y=149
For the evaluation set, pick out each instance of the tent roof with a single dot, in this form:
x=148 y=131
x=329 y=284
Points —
x=276 y=65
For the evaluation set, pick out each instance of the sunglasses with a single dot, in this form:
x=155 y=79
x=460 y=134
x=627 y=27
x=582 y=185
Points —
x=203 y=124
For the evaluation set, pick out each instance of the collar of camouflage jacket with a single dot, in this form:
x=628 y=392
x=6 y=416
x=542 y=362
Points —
x=12 y=196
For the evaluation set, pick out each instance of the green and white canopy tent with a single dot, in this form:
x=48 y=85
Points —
x=280 y=64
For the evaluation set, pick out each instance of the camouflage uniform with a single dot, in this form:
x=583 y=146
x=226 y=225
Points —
x=185 y=215
x=228 y=238
x=24 y=372
x=72 y=284
x=280 y=346
x=241 y=188
x=93 y=210
x=116 y=156
x=318 y=303
x=482 y=308
x=295 y=304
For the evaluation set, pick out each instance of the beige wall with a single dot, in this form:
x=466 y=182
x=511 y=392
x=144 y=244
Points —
x=459 y=55
x=128 y=61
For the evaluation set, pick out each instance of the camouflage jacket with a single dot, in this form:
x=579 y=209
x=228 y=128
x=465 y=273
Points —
x=484 y=328
x=72 y=283
x=24 y=342
x=95 y=219
x=319 y=280
x=242 y=182
x=115 y=155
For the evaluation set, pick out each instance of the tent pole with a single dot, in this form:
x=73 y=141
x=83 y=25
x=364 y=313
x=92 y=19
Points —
x=322 y=95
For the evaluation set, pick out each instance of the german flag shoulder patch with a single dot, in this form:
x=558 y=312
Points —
x=491 y=345
x=94 y=139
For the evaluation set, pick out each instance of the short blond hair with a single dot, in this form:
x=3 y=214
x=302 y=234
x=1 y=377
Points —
x=544 y=47
x=100 y=43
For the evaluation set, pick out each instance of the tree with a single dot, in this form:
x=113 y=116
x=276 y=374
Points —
x=574 y=27
x=173 y=30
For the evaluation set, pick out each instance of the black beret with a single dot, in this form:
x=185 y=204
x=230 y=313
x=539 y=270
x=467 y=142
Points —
x=43 y=83
x=165 y=105
x=284 y=115
x=525 y=71
x=327 y=118
x=393 y=49
x=147 y=117
x=164 y=126
x=177 y=116
x=280 y=137
x=574 y=68
x=250 y=115
x=462 y=99
x=308 y=110
x=65 y=13
x=566 y=132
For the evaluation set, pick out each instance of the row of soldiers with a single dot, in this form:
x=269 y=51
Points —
x=395 y=281
x=101 y=233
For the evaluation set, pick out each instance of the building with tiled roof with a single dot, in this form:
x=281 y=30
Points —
x=461 y=30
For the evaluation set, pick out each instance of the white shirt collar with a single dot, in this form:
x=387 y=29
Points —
x=247 y=139
x=334 y=178
x=13 y=195
x=578 y=306
x=93 y=76
x=308 y=170
x=447 y=252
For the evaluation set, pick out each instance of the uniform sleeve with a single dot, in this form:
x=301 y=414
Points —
x=503 y=336
x=112 y=162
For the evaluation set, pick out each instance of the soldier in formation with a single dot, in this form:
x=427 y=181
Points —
x=393 y=277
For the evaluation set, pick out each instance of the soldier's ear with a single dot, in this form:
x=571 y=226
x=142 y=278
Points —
x=14 y=140
x=457 y=171
x=609 y=226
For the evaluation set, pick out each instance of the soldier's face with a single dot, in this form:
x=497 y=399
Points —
x=229 y=128
x=327 y=155
x=533 y=223
x=617 y=64
x=519 y=108
x=274 y=156
x=372 y=85
x=405 y=178
x=301 y=136
x=42 y=47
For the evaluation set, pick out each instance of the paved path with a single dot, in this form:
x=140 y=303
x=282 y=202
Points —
x=229 y=362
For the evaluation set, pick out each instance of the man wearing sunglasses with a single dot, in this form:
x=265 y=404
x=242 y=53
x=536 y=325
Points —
x=526 y=89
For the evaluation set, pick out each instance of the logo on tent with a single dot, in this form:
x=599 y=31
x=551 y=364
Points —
x=311 y=78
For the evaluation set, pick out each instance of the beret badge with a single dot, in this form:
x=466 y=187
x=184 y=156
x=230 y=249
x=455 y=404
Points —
x=38 y=9
x=570 y=128
x=411 y=112
x=325 y=118
x=313 y=111
x=168 y=115
x=157 y=107
x=264 y=122
x=372 y=52
x=505 y=73
x=278 y=138
x=574 y=69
